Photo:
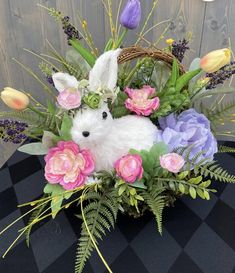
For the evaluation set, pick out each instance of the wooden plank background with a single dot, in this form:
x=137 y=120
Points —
x=25 y=25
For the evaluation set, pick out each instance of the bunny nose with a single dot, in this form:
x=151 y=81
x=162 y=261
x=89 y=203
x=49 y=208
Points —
x=86 y=134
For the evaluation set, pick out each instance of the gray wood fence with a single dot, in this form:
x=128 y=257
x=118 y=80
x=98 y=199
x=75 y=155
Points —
x=25 y=25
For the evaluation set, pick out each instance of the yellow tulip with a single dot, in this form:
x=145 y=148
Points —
x=14 y=99
x=215 y=60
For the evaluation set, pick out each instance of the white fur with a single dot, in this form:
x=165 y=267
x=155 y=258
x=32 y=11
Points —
x=110 y=139
x=63 y=81
x=105 y=71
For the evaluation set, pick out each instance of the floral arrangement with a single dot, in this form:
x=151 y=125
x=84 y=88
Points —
x=118 y=136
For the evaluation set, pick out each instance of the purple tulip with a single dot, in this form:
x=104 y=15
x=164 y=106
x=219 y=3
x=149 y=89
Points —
x=131 y=14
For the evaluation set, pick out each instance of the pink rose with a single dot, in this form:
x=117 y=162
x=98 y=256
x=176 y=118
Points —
x=139 y=101
x=69 y=99
x=172 y=162
x=129 y=168
x=67 y=165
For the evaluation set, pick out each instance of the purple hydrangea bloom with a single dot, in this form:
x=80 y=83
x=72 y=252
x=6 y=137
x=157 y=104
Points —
x=189 y=129
x=131 y=14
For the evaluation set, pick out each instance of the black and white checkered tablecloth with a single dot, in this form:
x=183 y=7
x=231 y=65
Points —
x=199 y=236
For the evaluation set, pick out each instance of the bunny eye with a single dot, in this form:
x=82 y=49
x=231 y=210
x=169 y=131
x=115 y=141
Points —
x=104 y=115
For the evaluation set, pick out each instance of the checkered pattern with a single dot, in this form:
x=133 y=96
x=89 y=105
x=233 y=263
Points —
x=198 y=237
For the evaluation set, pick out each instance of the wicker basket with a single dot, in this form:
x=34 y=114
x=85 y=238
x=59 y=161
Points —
x=134 y=52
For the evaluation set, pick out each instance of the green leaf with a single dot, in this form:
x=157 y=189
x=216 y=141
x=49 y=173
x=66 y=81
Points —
x=205 y=184
x=207 y=195
x=200 y=192
x=181 y=188
x=157 y=150
x=56 y=203
x=184 y=79
x=34 y=149
x=192 y=192
x=182 y=175
x=195 y=180
x=83 y=52
x=139 y=184
x=53 y=189
x=66 y=127
x=138 y=197
x=172 y=185
x=51 y=107
x=121 y=190
x=174 y=74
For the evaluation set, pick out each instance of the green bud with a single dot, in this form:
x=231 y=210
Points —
x=92 y=100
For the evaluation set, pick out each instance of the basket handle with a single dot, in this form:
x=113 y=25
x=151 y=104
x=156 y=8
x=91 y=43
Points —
x=134 y=52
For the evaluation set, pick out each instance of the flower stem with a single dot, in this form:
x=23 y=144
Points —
x=120 y=40
x=37 y=112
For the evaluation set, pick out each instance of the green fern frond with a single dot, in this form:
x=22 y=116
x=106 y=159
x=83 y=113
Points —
x=225 y=149
x=221 y=113
x=214 y=171
x=156 y=201
x=32 y=218
x=100 y=215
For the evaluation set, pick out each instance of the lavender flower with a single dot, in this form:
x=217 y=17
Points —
x=179 y=49
x=131 y=14
x=70 y=30
x=220 y=76
x=189 y=129
x=12 y=131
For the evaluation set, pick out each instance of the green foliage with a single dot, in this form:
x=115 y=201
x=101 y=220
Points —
x=118 y=108
x=222 y=112
x=173 y=97
x=214 y=171
x=83 y=52
x=151 y=161
x=225 y=149
x=34 y=149
x=66 y=126
x=128 y=194
x=58 y=195
x=100 y=215
x=155 y=199
x=184 y=185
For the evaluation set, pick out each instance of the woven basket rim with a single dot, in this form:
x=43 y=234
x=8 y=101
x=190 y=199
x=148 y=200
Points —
x=134 y=52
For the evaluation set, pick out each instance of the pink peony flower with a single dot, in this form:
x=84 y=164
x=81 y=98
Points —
x=129 y=168
x=69 y=99
x=139 y=101
x=172 y=162
x=67 y=165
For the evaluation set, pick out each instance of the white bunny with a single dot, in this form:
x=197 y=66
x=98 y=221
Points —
x=109 y=139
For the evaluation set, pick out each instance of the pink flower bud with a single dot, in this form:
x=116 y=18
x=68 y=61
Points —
x=172 y=162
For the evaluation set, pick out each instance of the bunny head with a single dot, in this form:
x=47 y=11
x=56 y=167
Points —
x=91 y=126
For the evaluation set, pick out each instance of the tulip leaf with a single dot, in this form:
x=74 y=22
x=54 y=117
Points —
x=34 y=149
x=185 y=79
x=83 y=52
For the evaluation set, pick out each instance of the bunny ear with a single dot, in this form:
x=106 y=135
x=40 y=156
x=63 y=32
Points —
x=63 y=81
x=105 y=71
